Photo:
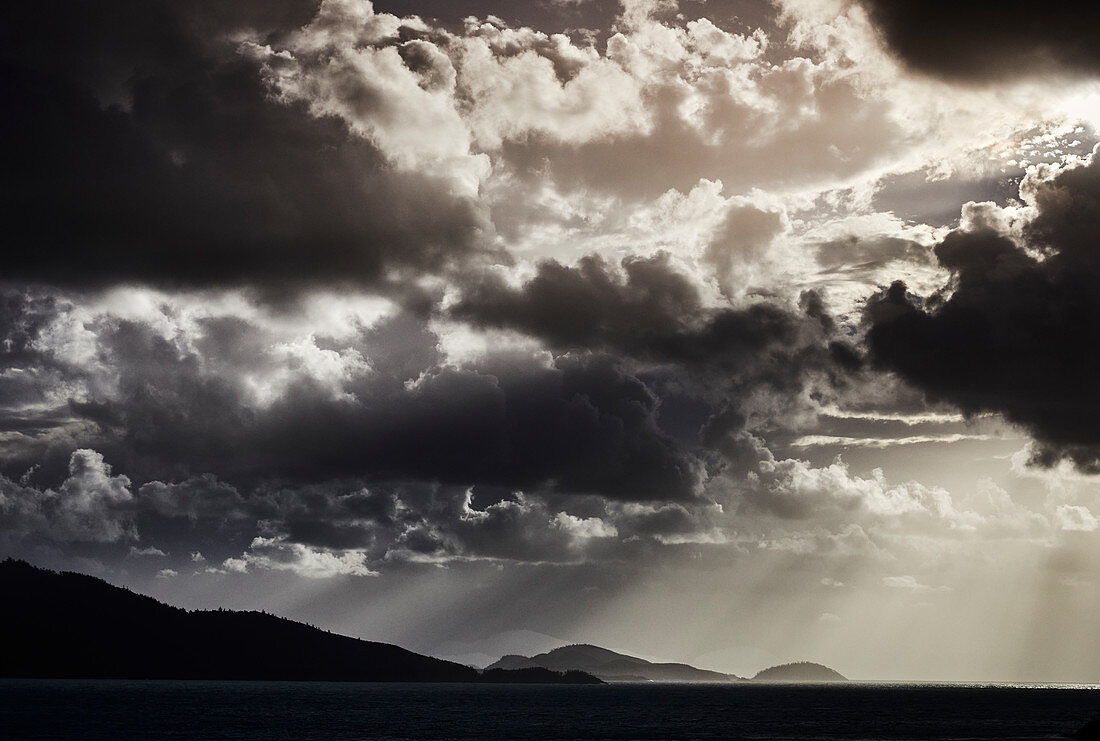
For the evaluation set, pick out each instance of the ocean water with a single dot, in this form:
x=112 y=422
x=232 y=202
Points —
x=76 y=709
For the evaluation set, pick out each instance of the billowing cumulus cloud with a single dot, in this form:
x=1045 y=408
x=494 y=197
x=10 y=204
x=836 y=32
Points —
x=1075 y=517
x=1008 y=334
x=277 y=554
x=652 y=312
x=90 y=505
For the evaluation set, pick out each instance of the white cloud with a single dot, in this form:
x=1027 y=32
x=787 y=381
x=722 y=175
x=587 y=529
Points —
x=810 y=441
x=300 y=358
x=91 y=505
x=795 y=489
x=277 y=553
x=512 y=79
x=150 y=551
x=1075 y=518
x=724 y=48
x=911 y=584
x=701 y=523
x=342 y=64
x=584 y=528
x=852 y=541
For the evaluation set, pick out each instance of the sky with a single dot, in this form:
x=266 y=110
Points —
x=731 y=332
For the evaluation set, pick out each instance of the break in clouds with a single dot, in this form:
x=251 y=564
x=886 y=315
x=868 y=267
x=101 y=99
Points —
x=338 y=288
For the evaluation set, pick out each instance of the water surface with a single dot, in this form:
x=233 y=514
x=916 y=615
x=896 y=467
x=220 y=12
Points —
x=52 y=709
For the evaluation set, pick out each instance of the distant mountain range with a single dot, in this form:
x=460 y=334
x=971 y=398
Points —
x=610 y=666
x=66 y=625
x=616 y=667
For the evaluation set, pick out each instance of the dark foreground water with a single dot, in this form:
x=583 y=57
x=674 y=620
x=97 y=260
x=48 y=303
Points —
x=49 y=709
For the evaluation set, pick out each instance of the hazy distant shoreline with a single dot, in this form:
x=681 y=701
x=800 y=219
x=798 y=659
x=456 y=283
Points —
x=72 y=625
x=67 y=625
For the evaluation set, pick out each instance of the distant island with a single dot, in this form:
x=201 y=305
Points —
x=610 y=666
x=68 y=625
x=802 y=671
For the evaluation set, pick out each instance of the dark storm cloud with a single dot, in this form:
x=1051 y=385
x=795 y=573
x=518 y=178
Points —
x=986 y=41
x=139 y=145
x=166 y=408
x=647 y=311
x=203 y=520
x=206 y=514
x=719 y=371
x=403 y=460
x=583 y=425
x=653 y=313
x=1016 y=333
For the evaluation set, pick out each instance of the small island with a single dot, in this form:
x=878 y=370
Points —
x=800 y=671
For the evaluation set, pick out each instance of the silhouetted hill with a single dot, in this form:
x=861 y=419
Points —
x=802 y=671
x=610 y=666
x=72 y=625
